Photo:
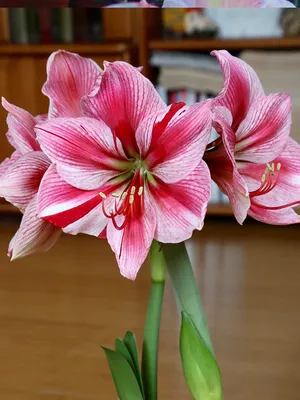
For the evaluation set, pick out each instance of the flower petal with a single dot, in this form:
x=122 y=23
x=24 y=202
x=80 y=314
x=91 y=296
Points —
x=62 y=204
x=21 y=125
x=285 y=193
x=223 y=168
x=181 y=207
x=264 y=132
x=131 y=245
x=21 y=180
x=124 y=99
x=9 y=161
x=70 y=77
x=93 y=223
x=177 y=146
x=33 y=235
x=84 y=150
x=241 y=86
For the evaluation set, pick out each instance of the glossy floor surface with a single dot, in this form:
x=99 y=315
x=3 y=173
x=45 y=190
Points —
x=56 y=308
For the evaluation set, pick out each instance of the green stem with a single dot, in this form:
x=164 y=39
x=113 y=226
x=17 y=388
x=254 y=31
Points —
x=151 y=331
x=185 y=288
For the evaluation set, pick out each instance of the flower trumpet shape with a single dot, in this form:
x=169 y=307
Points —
x=254 y=161
x=132 y=172
x=70 y=77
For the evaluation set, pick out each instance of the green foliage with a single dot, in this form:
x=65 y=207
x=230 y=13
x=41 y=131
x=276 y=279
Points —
x=125 y=368
x=201 y=370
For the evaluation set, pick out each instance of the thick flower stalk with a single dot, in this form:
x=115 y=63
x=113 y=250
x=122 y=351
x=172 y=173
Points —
x=71 y=77
x=254 y=161
x=130 y=170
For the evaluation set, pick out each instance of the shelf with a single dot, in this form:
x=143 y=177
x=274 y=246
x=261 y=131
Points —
x=228 y=44
x=219 y=210
x=45 y=49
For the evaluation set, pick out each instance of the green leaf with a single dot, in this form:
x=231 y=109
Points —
x=123 y=376
x=130 y=343
x=201 y=370
x=122 y=349
x=185 y=287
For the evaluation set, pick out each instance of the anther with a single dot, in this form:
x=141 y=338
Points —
x=278 y=166
x=124 y=195
x=102 y=195
x=131 y=199
x=263 y=178
x=115 y=195
x=141 y=188
x=132 y=191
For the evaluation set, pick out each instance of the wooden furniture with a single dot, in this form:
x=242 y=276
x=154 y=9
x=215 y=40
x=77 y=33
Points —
x=130 y=35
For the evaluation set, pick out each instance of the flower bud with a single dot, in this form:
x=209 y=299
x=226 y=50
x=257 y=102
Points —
x=201 y=370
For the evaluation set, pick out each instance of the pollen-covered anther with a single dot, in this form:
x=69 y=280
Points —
x=269 y=179
x=131 y=199
x=141 y=189
x=102 y=195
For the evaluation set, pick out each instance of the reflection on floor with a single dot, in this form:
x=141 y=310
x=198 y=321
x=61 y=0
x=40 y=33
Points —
x=56 y=308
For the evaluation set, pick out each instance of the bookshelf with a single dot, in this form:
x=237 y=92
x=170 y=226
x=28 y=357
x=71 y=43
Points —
x=120 y=49
x=130 y=35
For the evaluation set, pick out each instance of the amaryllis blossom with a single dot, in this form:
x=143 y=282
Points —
x=130 y=170
x=229 y=3
x=70 y=77
x=254 y=161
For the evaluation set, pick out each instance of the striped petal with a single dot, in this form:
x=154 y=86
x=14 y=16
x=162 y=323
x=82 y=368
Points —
x=33 y=235
x=69 y=78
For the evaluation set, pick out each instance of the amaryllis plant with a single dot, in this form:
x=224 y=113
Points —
x=112 y=160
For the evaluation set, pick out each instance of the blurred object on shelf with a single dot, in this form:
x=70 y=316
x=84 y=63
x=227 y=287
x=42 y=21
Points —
x=290 y=22
x=278 y=71
x=197 y=24
x=173 y=22
x=177 y=59
x=187 y=22
x=246 y=23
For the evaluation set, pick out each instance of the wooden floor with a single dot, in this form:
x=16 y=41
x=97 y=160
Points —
x=56 y=308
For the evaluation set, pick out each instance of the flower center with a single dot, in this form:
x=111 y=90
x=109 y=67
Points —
x=269 y=180
x=129 y=202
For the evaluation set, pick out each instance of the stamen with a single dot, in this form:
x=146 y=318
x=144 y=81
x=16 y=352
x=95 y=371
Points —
x=124 y=195
x=140 y=192
x=115 y=195
x=269 y=180
x=131 y=199
x=132 y=191
x=102 y=195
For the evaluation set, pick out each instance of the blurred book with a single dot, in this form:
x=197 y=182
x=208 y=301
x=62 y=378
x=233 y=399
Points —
x=176 y=59
x=80 y=24
x=190 y=78
x=45 y=24
x=66 y=25
x=33 y=25
x=18 y=25
x=94 y=31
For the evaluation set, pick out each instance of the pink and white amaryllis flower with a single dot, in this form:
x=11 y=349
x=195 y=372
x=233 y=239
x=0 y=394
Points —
x=70 y=77
x=132 y=172
x=254 y=161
